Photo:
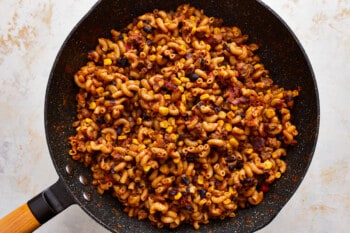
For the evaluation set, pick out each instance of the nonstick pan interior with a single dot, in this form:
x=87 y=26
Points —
x=280 y=52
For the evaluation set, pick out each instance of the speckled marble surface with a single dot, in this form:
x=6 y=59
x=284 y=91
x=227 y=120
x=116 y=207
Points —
x=31 y=33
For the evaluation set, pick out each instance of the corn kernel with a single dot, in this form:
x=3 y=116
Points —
x=205 y=96
x=228 y=146
x=152 y=57
x=177 y=160
x=164 y=124
x=258 y=66
x=171 y=121
x=88 y=120
x=232 y=190
x=164 y=169
x=141 y=147
x=180 y=143
x=108 y=118
x=278 y=175
x=249 y=151
x=153 y=49
x=194 y=29
x=176 y=81
x=217 y=30
x=181 y=88
x=182 y=108
x=230 y=115
x=227 y=201
x=146 y=168
x=182 y=51
x=107 y=61
x=267 y=165
x=269 y=113
x=228 y=127
x=233 y=107
x=295 y=93
x=178 y=196
x=92 y=105
x=183 y=98
x=174 y=137
x=233 y=141
x=221 y=122
x=163 y=110
x=279 y=95
x=169 y=129
x=147 y=141
x=135 y=141
x=222 y=115
x=167 y=96
x=100 y=90
x=200 y=180
x=183 y=60
x=184 y=79
x=121 y=137
x=207 y=47
x=139 y=121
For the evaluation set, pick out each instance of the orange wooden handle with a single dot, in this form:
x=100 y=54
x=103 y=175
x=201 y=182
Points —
x=20 y=220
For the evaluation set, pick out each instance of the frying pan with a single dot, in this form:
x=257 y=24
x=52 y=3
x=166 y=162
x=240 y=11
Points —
x=279 y=50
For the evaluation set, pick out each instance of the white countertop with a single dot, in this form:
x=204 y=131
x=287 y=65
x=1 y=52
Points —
x=31 y=33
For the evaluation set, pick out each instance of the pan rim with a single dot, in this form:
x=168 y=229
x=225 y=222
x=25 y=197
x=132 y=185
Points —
x=59 y=169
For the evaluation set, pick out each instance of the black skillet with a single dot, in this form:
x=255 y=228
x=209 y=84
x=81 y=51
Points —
x=281 y=53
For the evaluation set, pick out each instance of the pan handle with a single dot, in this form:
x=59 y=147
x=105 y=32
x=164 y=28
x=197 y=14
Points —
x=38 y=210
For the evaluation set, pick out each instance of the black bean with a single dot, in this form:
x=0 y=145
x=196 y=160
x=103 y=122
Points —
x=145 y=117
x=100 y=120
x=202 y=193
x=230 y=159
x=123 y=62
x=199 y=104
x=217 y=109
x=112 y=170
x=193 y=77
x=247 y=180
x=231 y=167
x=120 y=129
x=241 y=114
x=186 y=118
x=147 y=29
x=239 y=164
x=173 y=192
x=185 y=180
x=188 y=207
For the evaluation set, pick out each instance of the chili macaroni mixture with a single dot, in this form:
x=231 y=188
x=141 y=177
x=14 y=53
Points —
x=179 y=119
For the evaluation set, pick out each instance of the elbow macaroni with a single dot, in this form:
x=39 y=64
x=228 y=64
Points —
x=182 y=124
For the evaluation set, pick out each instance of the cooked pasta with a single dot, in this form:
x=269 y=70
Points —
x=180 y=120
